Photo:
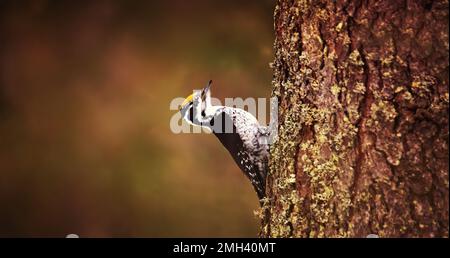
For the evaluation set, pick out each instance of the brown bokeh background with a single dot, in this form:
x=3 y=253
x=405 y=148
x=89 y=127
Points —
x=85 y=142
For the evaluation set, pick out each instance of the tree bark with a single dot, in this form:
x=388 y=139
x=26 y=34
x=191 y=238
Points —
x=363 y=120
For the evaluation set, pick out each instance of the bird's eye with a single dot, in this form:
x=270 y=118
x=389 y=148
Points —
x=203 y=113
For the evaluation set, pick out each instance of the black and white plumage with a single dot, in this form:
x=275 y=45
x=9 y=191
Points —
x=238 y=131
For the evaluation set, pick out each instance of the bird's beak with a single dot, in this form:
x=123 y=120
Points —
x=206 y=89
x=187 y=101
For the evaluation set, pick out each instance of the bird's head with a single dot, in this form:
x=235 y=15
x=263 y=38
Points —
x=195 y=106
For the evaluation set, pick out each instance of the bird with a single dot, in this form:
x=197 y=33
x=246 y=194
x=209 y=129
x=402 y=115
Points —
x=238 y=131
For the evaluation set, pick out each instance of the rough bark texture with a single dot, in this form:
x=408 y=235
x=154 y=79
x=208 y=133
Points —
x=363 y=120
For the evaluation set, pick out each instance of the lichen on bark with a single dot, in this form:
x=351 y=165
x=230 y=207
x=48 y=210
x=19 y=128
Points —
x=363 y=120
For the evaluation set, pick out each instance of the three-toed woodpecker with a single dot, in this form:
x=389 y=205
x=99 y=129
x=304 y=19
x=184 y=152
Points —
x=238 y=131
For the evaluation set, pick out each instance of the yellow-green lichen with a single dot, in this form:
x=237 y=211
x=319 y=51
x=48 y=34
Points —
x=355 y=58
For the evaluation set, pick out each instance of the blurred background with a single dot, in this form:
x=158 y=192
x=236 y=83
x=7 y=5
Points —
x=85 y=142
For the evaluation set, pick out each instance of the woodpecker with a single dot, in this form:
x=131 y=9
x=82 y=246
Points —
x=239 y=132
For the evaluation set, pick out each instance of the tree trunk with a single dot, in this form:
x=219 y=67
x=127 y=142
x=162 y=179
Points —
x=363 y=120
